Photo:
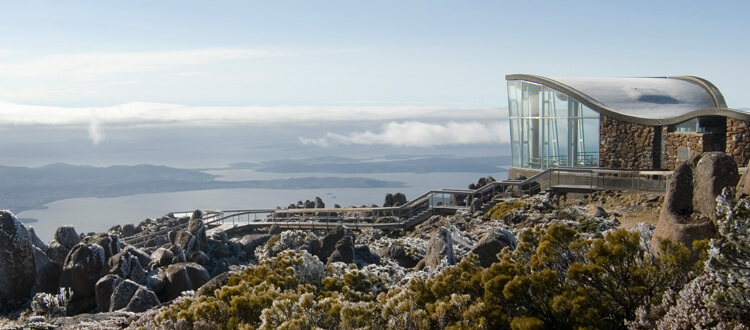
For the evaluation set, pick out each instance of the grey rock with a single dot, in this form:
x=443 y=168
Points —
x=184 y=277
x=178 y=252
x=36 y=240
x=83 y=267
x=197 y=228
x=17 y=267
x=161 y=258
x=122 y=295
x=597 y=211
x=57 y=252
x=110 y=243
x=105 y=287
x=47 y=273
x=214 y=284
x=143 y=300
x=129 y=230
x=344 y=251
x=439 y=250
x=187 y=241
x=491 y=244
x=275 y=230
x=397 y=253
x=200 y=258
x=363 y=256
x=67 y=236
x=329 y=242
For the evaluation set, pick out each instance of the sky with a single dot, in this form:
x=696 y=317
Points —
x=405 y=74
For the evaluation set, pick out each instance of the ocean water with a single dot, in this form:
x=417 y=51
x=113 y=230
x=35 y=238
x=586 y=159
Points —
x=99 y=214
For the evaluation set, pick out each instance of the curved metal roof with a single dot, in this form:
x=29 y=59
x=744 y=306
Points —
x=648 y=101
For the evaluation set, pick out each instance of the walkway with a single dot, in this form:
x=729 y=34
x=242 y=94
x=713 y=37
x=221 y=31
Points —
x=559 y=180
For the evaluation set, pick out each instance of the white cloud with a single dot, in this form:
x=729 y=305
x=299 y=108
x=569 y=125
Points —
x=414 y=130
x=420 y=134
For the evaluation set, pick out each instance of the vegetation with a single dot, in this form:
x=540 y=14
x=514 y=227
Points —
x=559 y=276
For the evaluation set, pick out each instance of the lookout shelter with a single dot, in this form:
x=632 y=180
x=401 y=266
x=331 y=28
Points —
x=649 y=123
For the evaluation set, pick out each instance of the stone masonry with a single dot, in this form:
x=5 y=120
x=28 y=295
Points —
x=625 y=145
x=738 y=136
x=692 y=143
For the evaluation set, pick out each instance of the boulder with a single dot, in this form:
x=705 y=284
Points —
x=161 y=258
x=57 y=252
x=275 y=229
x=597 y=211
x=330 y=241
x=344 y=251
x=123 y=293
x=143 y=300
x=439 y=250
x=187 y=241
x=214 y=284
x=36 y=240
x=110 y=243
x=179 y=254
x=714 y=172
x=397 y=253
x=17 y=263
x=688 y=210
x=491 y=244
x=105 y=287
x=83 y=267
x=67 y=236
x=476 y=205
x=184 y=277
x=197 y=228
x=47 y=273
x=200 y=258
x=363 y=256
x=129 y=230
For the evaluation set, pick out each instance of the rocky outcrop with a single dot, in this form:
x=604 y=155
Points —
x=17 y=263
x=132 y=297
x=104 y=289
x=67 y=236
x=688 y=210
x=398 y=253
x=491 y=244
x=83 y=267
x=184 y=277
x=47 y=272
x=597 y=211
x=439 y=250
x=344 y=251
x=330 y=242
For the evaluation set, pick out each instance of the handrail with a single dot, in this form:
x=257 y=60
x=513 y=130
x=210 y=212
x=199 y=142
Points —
x=412 y=211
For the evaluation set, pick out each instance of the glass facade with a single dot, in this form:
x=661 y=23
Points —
x=550 y=129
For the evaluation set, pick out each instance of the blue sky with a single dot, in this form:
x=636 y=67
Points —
x=99 y=63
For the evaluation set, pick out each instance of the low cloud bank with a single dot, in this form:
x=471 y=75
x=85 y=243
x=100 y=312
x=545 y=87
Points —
x=420 y=134
x=412 y=132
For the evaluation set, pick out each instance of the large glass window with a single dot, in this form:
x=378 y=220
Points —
x=550 y=129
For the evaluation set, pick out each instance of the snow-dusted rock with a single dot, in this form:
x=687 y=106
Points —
x=17 y=265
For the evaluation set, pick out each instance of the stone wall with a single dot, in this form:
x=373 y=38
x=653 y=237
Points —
x=738 y=136
x=625 y=145
x=689 y=143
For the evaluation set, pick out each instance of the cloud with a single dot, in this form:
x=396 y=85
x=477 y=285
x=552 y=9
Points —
x=413 y=130
x=95 y=132
x=421 y=134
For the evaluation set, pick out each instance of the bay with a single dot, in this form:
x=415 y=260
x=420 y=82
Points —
x=99 y=214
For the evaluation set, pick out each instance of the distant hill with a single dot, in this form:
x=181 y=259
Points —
x=23 y=188
x=393 y=164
